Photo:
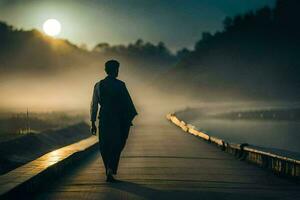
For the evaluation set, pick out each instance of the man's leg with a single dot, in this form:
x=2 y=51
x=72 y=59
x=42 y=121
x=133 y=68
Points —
x=110 y=164
x=115 y=161
x=103 y=156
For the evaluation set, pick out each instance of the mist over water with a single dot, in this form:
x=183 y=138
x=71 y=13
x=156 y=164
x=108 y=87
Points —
x=271 y=134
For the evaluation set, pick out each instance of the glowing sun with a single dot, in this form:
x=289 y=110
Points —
x=52 y=27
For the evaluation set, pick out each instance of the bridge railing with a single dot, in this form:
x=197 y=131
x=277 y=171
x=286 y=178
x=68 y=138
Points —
x=29 y=177
x=279 y=164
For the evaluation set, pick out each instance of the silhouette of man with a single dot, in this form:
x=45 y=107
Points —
x=115 y=117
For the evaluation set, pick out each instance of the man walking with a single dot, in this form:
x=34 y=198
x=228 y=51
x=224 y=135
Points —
x=115 y=117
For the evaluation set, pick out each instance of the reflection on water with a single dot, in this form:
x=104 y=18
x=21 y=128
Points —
x=273 y=134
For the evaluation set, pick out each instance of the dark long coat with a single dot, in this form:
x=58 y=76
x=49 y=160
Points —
x=115 y=118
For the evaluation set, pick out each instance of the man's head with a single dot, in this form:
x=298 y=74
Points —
x=112 y=68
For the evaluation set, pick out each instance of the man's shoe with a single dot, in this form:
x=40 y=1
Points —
x=110 y=179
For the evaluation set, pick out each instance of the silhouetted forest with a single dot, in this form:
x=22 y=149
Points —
x=256 y=56
x=32 y=51
x=139 y=49
x=33 y=64
x=139 y=57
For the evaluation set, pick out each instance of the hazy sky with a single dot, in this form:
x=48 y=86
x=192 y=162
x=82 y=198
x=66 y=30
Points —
x=179 y=23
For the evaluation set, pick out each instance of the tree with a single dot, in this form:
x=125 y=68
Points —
x=101 y=47
x=201 y=44
x=180 y=54
x=227 y=23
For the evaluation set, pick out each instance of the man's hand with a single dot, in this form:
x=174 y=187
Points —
x=93 y=129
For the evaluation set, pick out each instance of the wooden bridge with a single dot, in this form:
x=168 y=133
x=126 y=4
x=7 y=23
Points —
x=160 y=161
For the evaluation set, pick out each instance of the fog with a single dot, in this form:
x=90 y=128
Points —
x=45 y=74
x=72 y=90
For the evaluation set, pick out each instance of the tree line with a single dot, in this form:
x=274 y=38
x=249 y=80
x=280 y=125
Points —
x=256 y=56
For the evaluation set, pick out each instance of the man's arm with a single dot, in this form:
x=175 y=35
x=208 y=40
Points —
x=94 y=109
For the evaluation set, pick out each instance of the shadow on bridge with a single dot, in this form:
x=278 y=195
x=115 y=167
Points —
x=144 y=192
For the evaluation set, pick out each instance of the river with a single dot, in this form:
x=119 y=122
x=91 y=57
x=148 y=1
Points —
x=283 y=135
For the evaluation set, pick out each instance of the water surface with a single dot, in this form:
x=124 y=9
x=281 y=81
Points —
x=272 y=134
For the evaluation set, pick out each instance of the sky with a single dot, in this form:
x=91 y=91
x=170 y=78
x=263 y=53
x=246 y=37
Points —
x=178 y=23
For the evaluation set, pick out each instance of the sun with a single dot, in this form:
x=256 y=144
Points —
x=52 y=27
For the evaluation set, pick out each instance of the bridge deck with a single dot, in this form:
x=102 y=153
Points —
x=162 y=162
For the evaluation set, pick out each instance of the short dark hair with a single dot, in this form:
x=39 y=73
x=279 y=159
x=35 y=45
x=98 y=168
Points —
x=111 y=67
